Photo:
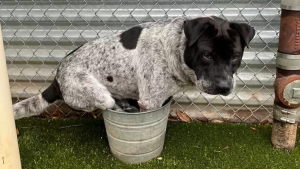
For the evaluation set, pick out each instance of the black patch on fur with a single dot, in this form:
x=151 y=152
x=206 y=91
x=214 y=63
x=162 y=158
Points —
x=113 y=47
x=26 y=106
x=52 y=93
x=130 y=37
x=110 y=78
x=175 y=79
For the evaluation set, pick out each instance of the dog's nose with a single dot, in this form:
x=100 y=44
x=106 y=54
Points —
x=223 y=88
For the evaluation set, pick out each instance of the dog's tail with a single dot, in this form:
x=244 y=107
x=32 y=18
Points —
x=37 y=104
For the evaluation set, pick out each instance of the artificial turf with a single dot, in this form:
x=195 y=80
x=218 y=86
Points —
x=82 y=144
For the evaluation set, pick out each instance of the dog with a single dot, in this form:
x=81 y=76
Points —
x=149 y=63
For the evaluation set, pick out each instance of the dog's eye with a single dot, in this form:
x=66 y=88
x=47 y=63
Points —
x=235 y=57
x=207 y=55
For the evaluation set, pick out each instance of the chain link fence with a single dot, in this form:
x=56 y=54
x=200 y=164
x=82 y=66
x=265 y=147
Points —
x=38 y=34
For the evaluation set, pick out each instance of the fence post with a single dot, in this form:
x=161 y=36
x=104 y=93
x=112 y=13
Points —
x=286 y=110
x=9 y=150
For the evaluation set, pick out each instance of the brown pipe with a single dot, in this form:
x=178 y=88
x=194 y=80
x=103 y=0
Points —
x=284 y=134
x=289 y=43
x=280 y=84
x=289 y=37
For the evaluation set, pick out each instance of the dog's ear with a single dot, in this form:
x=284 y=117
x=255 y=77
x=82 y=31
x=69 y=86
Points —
x=246 y=31
x=194 y=28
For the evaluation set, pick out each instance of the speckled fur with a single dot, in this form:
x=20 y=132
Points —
x=150 y=73
x=145 y=73
x=30 y=107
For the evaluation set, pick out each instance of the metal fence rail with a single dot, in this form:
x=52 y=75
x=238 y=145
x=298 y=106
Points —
x=38 y=34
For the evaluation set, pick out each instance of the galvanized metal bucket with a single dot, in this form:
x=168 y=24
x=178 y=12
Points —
x=136 y=137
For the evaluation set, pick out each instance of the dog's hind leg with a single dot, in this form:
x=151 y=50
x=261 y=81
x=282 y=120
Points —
x=84 y=92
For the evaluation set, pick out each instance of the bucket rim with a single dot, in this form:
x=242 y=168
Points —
x=137 y=113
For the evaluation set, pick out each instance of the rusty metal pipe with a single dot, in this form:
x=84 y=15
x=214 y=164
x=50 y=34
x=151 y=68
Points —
x=287 y=102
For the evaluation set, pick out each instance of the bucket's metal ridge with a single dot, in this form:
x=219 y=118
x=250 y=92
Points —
x=136 y=137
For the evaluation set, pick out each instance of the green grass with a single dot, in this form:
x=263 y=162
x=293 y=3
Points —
x=46 y=143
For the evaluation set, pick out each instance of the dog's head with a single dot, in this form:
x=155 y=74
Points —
x=214 y=52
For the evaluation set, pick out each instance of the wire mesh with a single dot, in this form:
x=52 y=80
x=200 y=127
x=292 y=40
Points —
x=38 y=34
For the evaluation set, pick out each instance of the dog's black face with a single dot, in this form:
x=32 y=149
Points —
x=214 y=51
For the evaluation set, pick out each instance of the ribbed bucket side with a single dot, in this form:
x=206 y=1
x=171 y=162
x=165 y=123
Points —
x=136 y=137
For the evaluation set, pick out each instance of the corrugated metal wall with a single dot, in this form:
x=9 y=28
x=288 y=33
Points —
x=38 y=34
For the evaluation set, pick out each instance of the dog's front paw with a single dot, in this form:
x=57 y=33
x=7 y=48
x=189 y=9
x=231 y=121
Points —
x=142 y=107
x=109 y=103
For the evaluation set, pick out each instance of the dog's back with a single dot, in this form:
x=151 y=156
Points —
x=110 y=66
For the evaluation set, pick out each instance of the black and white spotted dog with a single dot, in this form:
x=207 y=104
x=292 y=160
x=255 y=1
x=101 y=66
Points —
x=149 y=62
